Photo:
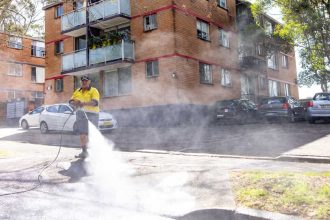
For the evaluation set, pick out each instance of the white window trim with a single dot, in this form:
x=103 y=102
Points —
x=226 y=80
x=15 y=42
x=152 y=22
x=285 y=61
x=204 y=28
x=224 y=39
x=207 y=71
x=272 y=61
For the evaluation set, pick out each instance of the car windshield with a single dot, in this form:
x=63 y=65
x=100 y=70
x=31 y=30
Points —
x=322 y=97
x=277 y=100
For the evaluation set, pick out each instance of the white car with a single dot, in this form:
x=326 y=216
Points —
x=31 y=119
x=60 y=117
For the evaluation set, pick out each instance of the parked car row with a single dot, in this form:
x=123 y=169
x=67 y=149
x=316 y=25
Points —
x=58 y=117
x=274 y=108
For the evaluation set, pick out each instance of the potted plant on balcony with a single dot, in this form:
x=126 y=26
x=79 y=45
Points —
x=92 y=43
x=115 y=37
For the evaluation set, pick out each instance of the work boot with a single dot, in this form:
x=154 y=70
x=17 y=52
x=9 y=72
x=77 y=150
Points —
x=82 y=155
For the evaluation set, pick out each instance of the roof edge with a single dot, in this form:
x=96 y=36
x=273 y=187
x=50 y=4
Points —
x=52 y=5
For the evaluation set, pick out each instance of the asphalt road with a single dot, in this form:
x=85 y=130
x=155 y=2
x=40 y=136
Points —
x=255 y=140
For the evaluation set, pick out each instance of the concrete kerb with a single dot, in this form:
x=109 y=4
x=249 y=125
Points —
x=224 y=213
x=304 y=158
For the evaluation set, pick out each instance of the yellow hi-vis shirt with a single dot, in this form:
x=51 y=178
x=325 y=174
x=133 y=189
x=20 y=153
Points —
x=87 y=96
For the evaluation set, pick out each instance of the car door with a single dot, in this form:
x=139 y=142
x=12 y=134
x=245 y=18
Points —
x=50 y=116
x=34 y=116
x=66 y=118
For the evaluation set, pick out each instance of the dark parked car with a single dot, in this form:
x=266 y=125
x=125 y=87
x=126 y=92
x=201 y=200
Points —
x=318 y=107
x=236 y=110
x=281 y=107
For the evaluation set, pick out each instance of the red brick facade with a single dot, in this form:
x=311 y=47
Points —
x=16 y=72
x=174 y=44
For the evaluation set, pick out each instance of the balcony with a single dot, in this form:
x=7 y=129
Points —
x=254 y=63
x=107 y=13
x=73 y=23
x=121 y=52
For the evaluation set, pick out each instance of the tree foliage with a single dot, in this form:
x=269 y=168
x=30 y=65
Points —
x=306 y=25
x=21 y=16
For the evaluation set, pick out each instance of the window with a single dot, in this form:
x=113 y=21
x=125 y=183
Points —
x=15 y=42
x=205 y=73
x=15 y=94
x=262 y=82
x=58 y=11
x=268 y=27
x=272 y=61
x=285 y=61
x=117 y=82
x=202 y=30
x=150 y=22
x=59 y=48
x=52 y=108
x=225 y=77
x=58 y=85
x=37 y=74
x=152 y=69
x=38 y=49
x=222 y=3
x=223 y=38
x=287 y=89
x=64 y=108
x=259 y=50
x=80 y=42
x=273 y=87
x=15 y=69
x=37 y=95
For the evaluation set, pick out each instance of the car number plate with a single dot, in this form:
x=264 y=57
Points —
x=107 y=123
x=325 y=106
x=226 y=109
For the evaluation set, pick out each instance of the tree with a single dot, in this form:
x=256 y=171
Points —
x=21 y=16
x=306 y=25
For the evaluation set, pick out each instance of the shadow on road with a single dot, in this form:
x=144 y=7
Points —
x=76 y=171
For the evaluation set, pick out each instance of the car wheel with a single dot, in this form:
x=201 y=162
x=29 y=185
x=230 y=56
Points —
x=25 y=125
x=43 y=127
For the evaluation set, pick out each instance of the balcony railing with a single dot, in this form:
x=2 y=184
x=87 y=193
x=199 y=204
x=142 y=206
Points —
x=124 y=50
x=73 y=19
x=74 y=60
x=121 y=51
x=109 y=8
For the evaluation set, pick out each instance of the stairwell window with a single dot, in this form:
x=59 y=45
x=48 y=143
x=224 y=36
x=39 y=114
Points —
x=205 y=73
x=59 y=11
x=152 y=69
x=59 y=85
x=150 y=22
x=223 y=38
x=15 y=42
x=59 y=47
x=203 y=30
x=222 y=3
x=225 y=78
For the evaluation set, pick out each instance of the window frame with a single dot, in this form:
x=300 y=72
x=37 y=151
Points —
x=58 y=85
x=106 y=88
x=152 y=22
x=59 y=47
x=15 y=42
x=225 y=6
x=287 y=89
x=203 y=71
x=13 y=67
x=224 y=39
x=59 y=11
x=285 y=61
x=201 y=32
x=270 y=88
x=226 y=74
x=154 y=67
x=274 y=61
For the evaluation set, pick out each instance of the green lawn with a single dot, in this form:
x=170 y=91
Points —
x=300 y=194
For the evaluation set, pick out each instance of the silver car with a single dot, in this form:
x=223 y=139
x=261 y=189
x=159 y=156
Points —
x=318 y=107
x=31 y=119
x=60 y=117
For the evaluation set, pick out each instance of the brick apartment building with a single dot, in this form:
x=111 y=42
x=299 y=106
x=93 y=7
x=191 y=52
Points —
x=264 y=72
x=22 y=75
x=146 y=53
